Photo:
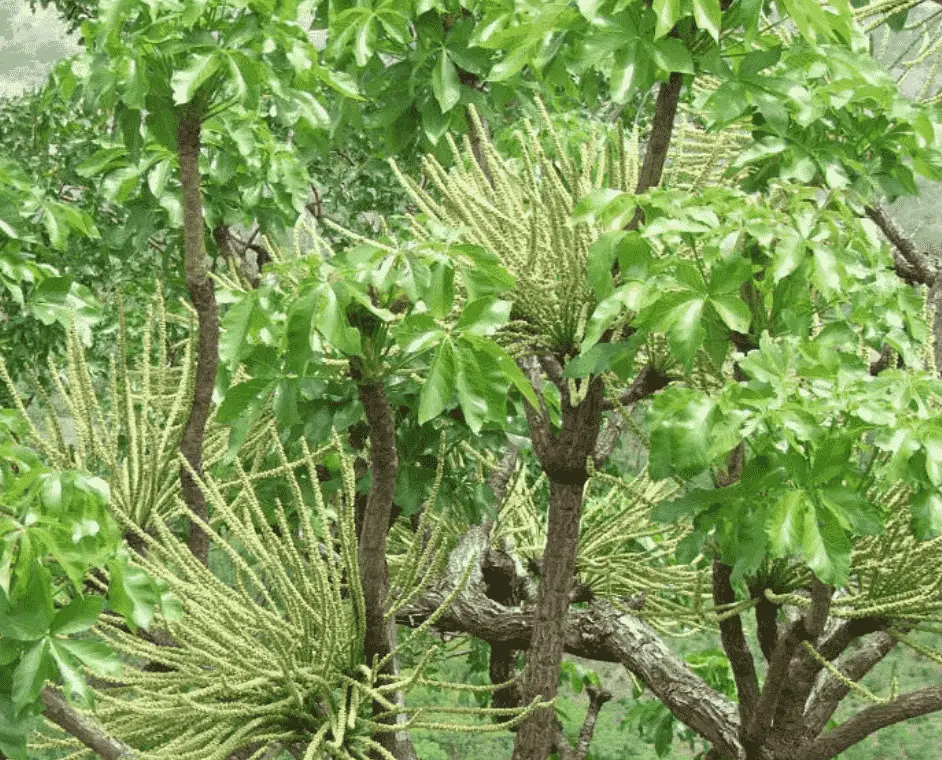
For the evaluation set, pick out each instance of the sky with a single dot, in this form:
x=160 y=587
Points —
x=29 y=45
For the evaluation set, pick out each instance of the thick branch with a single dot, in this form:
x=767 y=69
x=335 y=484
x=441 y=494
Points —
x=564 y=460
x=597 y=633
x=648 y=382
x=829 y=693
x=380 y=636
x=73 y=723
x=776 y=678
x=735 y=644
x=662 y=129
x=916 y=268
x=858 y=728
x=203 y=296
x=789 y=720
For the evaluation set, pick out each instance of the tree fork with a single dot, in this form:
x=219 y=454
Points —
x=203 y=297
x=563 y=459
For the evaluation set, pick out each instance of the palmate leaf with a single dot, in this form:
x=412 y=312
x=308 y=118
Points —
x=186 y=82
x=439 y=386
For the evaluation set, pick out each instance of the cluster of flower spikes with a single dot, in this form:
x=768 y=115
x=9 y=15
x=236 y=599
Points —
x=697 y=158
x=272 y=658
x=894 y=577
x=623 y=556
x=920 y=56
x=130 y=436
x=522 y=211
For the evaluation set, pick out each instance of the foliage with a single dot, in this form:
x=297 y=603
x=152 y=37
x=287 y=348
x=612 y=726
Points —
x=547 y=283
x=55 y=529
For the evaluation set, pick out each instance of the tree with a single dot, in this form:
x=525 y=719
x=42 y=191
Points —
x=718 y=287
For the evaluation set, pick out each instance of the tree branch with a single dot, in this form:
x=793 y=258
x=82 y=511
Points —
x=380 y=635
x=735 y=644
x=662 y=129
x=598 y=633
x=827 y=696
x=91 y=735
x=916 y=267
x=648 y=382
x=858 y=728
x=597 y=699
x=776 y=678
x=789 y=720
x=203 y=296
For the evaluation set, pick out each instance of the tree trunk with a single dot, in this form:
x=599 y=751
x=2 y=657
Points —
x=203 y=296
x=563 y=459
x=380 y=636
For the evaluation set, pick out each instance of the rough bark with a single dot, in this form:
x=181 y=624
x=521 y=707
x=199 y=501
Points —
x=647 y=383
x=564 y=460
x=735 y=645
x=203 y=296
x=827 y=696
x=598 y=633
x=380 y=635
x=662 y=128
x=872 y=719
x=91 y=735
x=804 y=670
x=915 y=267
x=776 y=680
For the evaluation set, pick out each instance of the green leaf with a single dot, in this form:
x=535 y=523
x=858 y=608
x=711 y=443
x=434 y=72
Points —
x=331 y=322
x=505 y=364
x=445 y=83
x=439 y=387
x=235 y=327
x=241 y=397
x=785 y=523
x=132 y=594
x=79 y=615
x=440 y=295
x=506 y=68
x=69 y=671
x=16 y=727
x=826 y=545
x=926 y=508
x=364 y=41
x=95 y=655
x=186 y=82
x=54 y=229
x=668 y=13
x=100 y=161
x=664 y=735
x=709 y=16
x=33 y=670
x=601 y=259
x=298 y=332
x=733 y=311
x=670 y=54
x=788 y=256
x=686 y=333
x=27 y=616
x=933 y=447
x=484 y=316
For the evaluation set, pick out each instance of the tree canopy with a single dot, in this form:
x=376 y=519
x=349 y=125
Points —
x=338 y=332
